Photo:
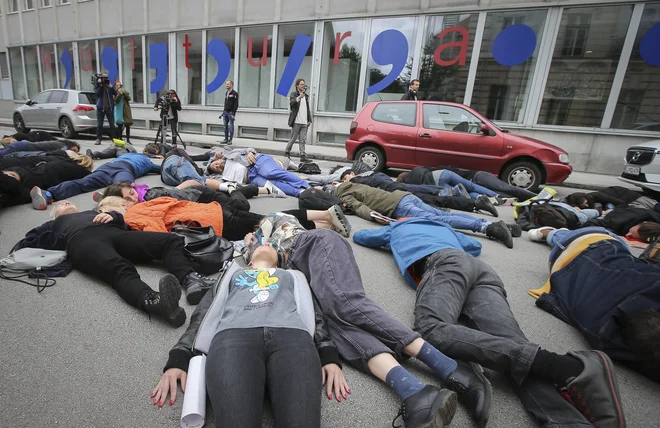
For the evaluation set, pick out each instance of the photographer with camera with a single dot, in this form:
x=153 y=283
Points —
x=300 y=118
x=105 y=105
x=170 y=106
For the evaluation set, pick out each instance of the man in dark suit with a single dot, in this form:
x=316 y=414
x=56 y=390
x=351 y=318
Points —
x=300 y=118
x=411 y=93
x=229 y=113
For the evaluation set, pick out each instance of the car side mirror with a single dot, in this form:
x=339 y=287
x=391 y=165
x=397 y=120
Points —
x=29 y=102
x=485 y=129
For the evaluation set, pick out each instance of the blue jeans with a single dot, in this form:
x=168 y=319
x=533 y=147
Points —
x=176 y=170
x=105 y=175
x=560 y=239
x=583 y=215
x=265 y=169
x=228 y=121
x=412 y=206
x=452 y=179
x=430 y=190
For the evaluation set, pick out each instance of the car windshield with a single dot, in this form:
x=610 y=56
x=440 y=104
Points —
x=87 y=98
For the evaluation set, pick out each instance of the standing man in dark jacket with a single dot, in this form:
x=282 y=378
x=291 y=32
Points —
x=229 y=113
x=300 y=118
x=411 y=93
x=105 y=106
x=172 y=112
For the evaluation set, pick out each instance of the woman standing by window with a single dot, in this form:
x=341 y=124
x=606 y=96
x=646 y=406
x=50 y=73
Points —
x=123 y=114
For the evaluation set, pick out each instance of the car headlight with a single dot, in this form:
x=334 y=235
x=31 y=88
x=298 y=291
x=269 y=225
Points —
x=563 y=158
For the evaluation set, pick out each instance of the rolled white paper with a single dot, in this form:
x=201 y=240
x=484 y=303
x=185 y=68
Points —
x=193 y=413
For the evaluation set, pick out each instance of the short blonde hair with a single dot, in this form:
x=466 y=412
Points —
x=7 y=141
x=53 y=215
x=110 y=203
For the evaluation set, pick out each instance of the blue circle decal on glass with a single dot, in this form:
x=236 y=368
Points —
x=514 y=45
x=649 y=48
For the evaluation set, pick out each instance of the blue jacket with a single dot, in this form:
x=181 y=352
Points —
x=412 y=240
x=141 y=164
x=100 y=93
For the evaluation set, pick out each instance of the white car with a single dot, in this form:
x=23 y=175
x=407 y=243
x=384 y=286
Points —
x=643 y=166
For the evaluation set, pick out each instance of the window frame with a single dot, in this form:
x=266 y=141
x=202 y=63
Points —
x=50 y=94
x=44 y=5
x=5 y=62
x=478 y=131
x=10 y=9
x=25 y=6
x=396 y=103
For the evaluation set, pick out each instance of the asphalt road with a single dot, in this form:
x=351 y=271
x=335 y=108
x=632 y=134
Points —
x=76 y=355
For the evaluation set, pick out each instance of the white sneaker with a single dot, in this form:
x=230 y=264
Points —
x=274 y=191
x=535 y=235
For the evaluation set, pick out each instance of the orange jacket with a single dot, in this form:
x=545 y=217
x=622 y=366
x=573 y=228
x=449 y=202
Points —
x=160 y=214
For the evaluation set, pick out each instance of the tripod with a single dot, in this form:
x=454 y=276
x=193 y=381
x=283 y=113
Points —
x=162 y=131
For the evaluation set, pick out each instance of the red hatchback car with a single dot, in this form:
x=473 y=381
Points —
x=406 y=134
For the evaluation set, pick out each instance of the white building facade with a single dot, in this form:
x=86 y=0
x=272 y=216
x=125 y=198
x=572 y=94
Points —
x=582 y=75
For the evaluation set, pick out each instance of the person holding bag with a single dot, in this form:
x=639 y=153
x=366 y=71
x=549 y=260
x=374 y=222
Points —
x=123 y=113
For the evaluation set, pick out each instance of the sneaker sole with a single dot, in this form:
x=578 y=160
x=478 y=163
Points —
x=38 y=200
x=193 y=298
x=614 y=388
x=488 y=399
x=170 y=293
x=444 y=409
x=515 y=229
x=340 y=221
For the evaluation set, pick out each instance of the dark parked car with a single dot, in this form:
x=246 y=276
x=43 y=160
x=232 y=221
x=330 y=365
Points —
x=405 y=134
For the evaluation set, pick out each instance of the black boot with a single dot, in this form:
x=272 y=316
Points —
x=515 y=229
x=483 y=204
x=473 y=389
x=196 y=286
x=165 y=303
x=500 y=232
x=431 y=407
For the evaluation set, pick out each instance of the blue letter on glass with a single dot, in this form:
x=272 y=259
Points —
x=109 y=58
x=67 y=63
x=220 y=52
x=158 y=60
x=296 y=57
x=514 y=45
x=389 y=48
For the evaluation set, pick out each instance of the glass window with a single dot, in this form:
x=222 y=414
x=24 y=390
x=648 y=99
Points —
x=59 y=97
x=189 y=67
x=450 y=118
x=254 y=68
x=42 y=98
x=387 y=57
x=17 y=80
x=286 y=36
x=45 y=3
x=396 y=113
x=32 y=70
x=195 y=128
x=283 y=134
x=13 y=6
x=332 y=138
x=638 y=106
x=132 y=72
x=87 y=98
x=109 y=57
x=157 y=78
x=340 y=66
x=507 y=60
x=87 y=58
x=586 y=56
x=48 y=66
x=446 y=51
x=253 y=132
x=213 y=69
x=4 y=66
x=64 y=1
x=29 y=5
x=65 y=63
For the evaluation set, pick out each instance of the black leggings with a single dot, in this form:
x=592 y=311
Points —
x=108 y=253
x=237 y=224
x=453 y=202
x=120 y=130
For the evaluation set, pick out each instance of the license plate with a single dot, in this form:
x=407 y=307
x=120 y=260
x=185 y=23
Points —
x=632 y=170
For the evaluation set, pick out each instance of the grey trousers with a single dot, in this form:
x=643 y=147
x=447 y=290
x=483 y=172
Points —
x=113 y=151
x=456 y=286
x=360 y=328
x=298 y=130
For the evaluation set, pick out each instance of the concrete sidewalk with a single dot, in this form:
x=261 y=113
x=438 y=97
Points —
x=337 y=153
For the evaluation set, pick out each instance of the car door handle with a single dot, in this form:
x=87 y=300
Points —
x=425 y=135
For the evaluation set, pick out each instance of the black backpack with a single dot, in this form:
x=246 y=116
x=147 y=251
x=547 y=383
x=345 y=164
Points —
x=309 y=168
x=315 y=199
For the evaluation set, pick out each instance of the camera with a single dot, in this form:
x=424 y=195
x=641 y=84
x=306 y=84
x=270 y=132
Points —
x=305 y=88
x=164 y=102
x=100 y=79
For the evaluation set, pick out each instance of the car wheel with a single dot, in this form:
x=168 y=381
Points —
x=523 y=174
x=19 y=124
x=66 y=128
x=371 y=156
